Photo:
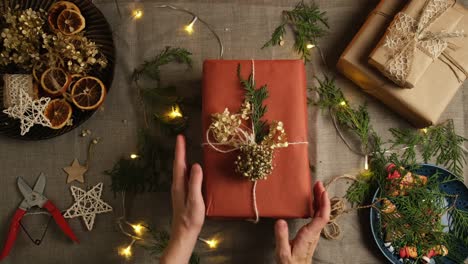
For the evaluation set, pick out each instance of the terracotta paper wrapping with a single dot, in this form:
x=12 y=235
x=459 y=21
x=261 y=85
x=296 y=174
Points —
x=286 y=193
x=422 y=105
x=449 y=21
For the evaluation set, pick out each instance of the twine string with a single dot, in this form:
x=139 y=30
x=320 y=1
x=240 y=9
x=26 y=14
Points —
x=242 y=136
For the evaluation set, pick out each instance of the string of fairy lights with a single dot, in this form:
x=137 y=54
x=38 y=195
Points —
x=136 y=231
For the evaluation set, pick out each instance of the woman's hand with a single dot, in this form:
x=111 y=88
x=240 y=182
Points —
x=301 y=249
x=188 y=208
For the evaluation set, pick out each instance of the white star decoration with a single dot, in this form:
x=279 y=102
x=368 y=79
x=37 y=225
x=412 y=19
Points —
x=29 y=111
x=87 y=205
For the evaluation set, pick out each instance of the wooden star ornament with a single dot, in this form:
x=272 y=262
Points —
x=75 y=172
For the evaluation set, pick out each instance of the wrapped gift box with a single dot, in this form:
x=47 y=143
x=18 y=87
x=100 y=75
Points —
x=421 y=105
x=286 y=193
x=448 y=21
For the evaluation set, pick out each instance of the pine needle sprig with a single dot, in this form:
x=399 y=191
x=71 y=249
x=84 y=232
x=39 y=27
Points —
x=459 y=225
x=256 y=98
x=356 y=120
x=151 y=68
x=308 y=24
x=160 y=241
x=439 y=141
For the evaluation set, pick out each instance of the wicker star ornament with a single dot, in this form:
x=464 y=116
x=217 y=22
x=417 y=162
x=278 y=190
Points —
x=87 y=204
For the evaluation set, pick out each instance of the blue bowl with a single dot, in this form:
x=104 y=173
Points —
x=453 y=187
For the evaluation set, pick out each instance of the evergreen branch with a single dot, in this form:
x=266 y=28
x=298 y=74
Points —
x=276 y=36
x=160 y=241
x=441 y=142
x=356 y=120
x=459 y=226
x=256 y=98
x=308 y=24
x=151 y=68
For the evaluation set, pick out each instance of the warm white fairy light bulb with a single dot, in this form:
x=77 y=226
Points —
x=175 y=112
x=310 y=46
x=138 y=229
x=126 y=252
x=343 y=103
x=189 y=28
x=134 y=156
x=212 y=243
x=137 y=13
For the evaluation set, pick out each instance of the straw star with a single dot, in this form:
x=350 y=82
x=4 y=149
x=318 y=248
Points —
x=30 y=112
x=87 y=204
x=75 y=172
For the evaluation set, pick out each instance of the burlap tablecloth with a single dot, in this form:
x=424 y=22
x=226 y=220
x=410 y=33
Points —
x=243 y=26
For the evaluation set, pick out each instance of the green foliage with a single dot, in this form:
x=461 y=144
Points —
x=439 y=141
x=150 y=172
x=357 y=120
x=419 y=208
x=151 y=68
x=160 y=241
x=308 y=24
x=256 y=98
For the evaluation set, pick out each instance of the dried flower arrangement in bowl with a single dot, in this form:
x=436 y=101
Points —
x=57 y=62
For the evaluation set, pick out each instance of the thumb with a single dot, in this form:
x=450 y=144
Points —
x=283 y=248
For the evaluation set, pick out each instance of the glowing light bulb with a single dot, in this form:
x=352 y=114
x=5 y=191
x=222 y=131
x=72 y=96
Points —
x=189 y=28
x=175 y=112
x=309 y=46
x=424 y=130
x=137 y=13
x=134 y=156
x=343 y=103
x=212 y=243
x=126 y=252
x=138 y=229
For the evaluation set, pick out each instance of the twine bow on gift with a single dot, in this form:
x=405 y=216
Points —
x=406 y=34
x=228 y=132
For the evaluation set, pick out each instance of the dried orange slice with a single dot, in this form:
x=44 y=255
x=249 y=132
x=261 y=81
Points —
x=56 y=9
x=88 y=93
x=55 y=81
x=59 y=112
x=70 y=22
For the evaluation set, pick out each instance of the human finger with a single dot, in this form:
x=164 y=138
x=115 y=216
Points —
x=195 y=184
x=179 y=171
x=283 y=248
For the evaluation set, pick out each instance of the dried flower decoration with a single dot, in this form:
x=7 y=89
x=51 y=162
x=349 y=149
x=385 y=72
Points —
x=22 y=37
x=76 y=53
x=231 y=130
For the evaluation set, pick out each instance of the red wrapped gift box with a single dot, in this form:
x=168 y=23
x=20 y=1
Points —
x=286 y=193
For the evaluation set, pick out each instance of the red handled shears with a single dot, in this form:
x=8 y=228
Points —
x=34 y=197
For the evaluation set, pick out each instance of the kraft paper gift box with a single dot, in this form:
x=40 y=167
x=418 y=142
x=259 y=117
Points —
x=286 y=193
x=405 y=63
x=422 y=105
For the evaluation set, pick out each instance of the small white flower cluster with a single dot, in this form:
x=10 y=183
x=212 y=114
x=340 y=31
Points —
x=24 y=40
x=22 y=37
x=77 y=53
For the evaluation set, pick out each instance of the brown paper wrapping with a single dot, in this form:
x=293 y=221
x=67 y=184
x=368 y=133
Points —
x=449 y=21
x=422 y=105
x=286 y=193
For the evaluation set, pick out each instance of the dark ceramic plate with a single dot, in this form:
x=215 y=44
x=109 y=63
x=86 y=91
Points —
x=98 y=30
x=453 y=187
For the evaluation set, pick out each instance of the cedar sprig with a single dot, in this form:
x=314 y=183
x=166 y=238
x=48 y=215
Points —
x=308 y=24
x=255 y=97
x=159 y=242
x=151 y=68
x=439 y=141
x=356 y=120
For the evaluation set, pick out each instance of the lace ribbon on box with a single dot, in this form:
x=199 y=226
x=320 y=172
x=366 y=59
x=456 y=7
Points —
x=406 y=33
x=228 y=132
